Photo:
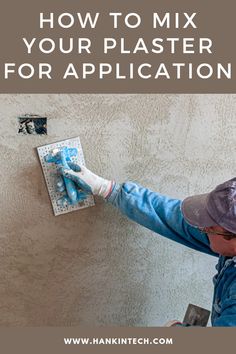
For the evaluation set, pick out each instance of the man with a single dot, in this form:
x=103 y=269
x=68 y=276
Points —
x=206 y=223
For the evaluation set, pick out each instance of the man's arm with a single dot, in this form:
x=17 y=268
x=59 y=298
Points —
x=158 y=213
x=227 y=316
x=224 y=314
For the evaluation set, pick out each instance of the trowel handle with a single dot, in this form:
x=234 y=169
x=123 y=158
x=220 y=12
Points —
x=71 y=190
x=70 y=185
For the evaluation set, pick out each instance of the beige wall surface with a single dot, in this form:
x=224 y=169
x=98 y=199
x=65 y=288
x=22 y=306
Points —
x=95 y=267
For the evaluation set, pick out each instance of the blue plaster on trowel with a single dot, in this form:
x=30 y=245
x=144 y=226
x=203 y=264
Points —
x=61 y=157
x=64 y=153
x=65 y=196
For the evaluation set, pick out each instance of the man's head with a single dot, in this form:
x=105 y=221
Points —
x=215 y=214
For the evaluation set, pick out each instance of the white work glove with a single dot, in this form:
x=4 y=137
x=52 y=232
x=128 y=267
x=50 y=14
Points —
x=87 y=180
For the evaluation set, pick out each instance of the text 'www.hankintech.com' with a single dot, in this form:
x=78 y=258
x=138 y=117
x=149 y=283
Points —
x=118 y=341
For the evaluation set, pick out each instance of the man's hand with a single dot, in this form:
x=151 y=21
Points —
x=172 y=323
x=87 y=180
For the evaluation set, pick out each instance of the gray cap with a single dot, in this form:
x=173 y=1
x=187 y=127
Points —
x=215 y=208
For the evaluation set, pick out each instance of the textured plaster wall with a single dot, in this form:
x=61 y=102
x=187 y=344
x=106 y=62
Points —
x=95 y=267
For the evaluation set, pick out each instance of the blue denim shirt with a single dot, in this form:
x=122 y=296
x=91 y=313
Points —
x=163 y=215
